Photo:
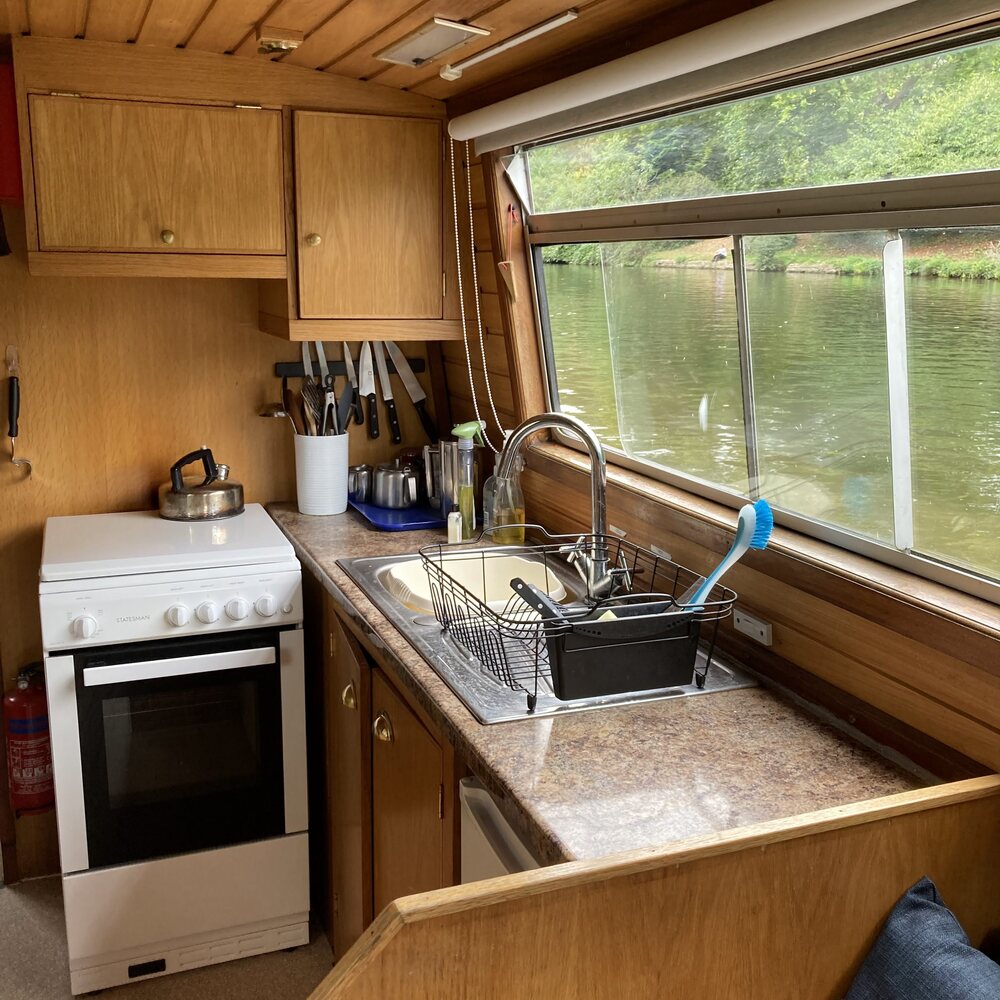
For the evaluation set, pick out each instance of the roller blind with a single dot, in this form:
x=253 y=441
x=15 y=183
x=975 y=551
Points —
x=769 y=42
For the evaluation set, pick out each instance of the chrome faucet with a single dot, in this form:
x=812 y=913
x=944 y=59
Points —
x=595 y=561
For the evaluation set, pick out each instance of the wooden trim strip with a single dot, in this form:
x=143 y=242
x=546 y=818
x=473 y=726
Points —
x=360 y=329
x=96 y=264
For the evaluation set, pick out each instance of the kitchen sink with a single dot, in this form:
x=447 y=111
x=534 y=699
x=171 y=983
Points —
x=398 y=587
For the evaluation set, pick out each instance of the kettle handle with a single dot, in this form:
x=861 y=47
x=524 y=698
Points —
x=202 y=454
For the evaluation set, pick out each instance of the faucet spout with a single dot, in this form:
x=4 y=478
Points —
x=598 y=578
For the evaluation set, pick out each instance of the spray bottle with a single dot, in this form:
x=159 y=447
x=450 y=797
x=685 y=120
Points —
x=468 y=435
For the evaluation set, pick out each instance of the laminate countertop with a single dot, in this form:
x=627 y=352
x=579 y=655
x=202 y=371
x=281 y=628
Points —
x=583 y=785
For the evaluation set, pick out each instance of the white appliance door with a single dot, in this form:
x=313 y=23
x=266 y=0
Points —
x=490 y=847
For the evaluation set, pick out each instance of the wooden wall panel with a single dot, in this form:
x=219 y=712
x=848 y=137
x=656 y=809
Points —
x=780 y=911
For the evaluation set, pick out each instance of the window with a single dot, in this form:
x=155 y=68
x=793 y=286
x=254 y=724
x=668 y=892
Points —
x=836 y=350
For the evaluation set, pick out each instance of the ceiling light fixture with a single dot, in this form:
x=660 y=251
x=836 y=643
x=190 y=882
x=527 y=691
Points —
x=454 y=72
x=429 y=41
x=272 y=40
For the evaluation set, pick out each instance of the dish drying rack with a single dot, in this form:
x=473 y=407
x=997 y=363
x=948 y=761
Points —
x=641 y=636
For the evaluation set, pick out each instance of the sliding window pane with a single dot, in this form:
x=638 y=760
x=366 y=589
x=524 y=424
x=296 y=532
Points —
x=645 y=345
x=953 y=342
x=817 y=327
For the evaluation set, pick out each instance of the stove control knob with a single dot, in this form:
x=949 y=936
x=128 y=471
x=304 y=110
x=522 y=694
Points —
x=237 y=609
x=178 y=614
x=266 y=606
x=208 y=612
x=83 y=627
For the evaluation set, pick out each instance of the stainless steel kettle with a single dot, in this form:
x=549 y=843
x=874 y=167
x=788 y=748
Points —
x=193 y=498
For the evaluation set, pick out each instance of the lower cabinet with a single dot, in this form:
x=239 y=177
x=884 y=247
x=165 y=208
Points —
x=391 y=786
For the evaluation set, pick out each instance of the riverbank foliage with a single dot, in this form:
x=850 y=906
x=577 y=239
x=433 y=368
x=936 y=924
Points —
x=937 y=114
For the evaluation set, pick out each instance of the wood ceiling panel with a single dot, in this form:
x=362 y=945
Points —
x=502 y=21
x=361 y=63
x=57 y=18
x=595 y=20
x=171 y=22
x=13 y=17
x=347 y=29
x=115 y=20
x=299 y=15
x=227 y=24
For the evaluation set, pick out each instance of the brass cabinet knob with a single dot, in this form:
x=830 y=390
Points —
x=349 y=696
x=167 y=235
x=382 y=728
x=314 y=239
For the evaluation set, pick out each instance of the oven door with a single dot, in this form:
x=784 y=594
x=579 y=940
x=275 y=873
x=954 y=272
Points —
x=178 y=745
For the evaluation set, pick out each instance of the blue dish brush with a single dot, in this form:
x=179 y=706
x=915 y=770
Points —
x=753 y=530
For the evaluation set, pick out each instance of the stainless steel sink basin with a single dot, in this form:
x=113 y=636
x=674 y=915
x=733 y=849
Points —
x=393 y=584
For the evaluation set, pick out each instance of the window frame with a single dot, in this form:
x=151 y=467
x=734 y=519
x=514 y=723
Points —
x=970 y=199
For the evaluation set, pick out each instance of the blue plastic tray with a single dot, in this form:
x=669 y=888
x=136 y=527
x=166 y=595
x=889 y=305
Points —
x=408 y=519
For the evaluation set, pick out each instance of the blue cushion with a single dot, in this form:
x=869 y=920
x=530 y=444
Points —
x=923 y=954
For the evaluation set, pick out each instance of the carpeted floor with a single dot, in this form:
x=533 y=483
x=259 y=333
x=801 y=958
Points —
x=33 y=960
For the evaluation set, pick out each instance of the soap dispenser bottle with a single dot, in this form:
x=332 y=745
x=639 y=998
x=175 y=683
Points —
x=508 y=507
x=468 y=434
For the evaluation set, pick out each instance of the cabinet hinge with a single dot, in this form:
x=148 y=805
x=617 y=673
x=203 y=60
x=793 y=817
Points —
x=440 y=801
x=63 y=93
x=250 y=107
x=329 y=637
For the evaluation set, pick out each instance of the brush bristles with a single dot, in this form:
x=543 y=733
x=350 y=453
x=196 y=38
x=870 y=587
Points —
x=765 y=525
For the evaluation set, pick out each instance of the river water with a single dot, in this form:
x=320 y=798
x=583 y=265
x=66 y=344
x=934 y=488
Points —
x=649 y=357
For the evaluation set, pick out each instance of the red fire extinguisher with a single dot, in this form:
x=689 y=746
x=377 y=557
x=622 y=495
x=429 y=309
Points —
x=29 y=752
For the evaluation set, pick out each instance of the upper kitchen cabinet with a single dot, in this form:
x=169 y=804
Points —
x=371 y=256
x=141 y=188
x=368 y=217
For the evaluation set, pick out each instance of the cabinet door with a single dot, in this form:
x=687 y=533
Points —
x=407 y=793
x=348 y=710
x=368 y=198
x=127 y=176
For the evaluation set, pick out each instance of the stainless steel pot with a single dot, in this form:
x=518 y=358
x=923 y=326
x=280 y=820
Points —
x=359 y=483
x=397 y=486
x=207 y=498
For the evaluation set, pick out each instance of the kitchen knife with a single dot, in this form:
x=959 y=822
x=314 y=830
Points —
x=327 y=424
x=390 y=403
x=352 y=378
x=345 y=406
x=366 y=386
x=413 y=388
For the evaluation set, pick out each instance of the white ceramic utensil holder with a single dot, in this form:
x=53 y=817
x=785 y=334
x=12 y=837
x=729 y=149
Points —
x=321 y=473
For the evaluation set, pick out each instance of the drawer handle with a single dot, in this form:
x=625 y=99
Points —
x=349 y=697
x=382 y=728
x=167 y=235
x=314 y=239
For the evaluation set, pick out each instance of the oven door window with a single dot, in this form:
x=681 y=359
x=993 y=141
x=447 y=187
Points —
x=185 y=762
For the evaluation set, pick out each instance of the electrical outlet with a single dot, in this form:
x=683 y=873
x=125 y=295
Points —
x=756 y=628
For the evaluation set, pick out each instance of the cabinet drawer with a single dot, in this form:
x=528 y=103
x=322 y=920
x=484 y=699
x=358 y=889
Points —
x=127 y=176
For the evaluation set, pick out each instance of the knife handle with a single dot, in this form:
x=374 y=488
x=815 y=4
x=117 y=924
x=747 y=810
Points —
x=425 y=418
x=13 y=405
x=372 y=415
x=390 y=408
x=356 y=411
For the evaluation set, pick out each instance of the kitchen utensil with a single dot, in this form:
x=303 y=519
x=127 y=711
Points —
x=359 y=483
x=432 y=475
x=190 y=498
x=276 y=410
x=352 y=378
x=753 y=529
x=315 y=403
x=307 y=367
x=505 y=266
x=390 y=403
x=14 y=405
x=366 y=386
x=309 y=416
x=396 y=486
x=534 y=598
x=345 y=407
x=290 y=400
x=321 y=473
x=413 y=388
x=328 y=422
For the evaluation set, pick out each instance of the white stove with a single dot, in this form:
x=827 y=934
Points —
x=175 y=678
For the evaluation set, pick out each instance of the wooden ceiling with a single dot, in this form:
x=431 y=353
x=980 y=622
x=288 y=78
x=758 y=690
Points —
x=342 y=36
